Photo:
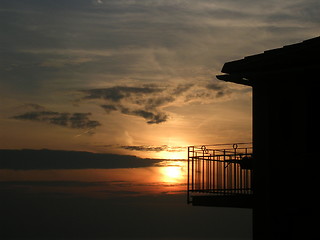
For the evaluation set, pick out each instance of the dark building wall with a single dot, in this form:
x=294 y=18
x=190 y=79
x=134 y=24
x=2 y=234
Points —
x=286 y=146
x=284 y=129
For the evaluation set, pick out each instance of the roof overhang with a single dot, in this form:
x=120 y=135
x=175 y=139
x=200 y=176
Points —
x=281 y=63
x=235 y=79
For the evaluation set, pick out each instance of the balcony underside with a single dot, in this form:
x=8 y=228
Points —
x=234 y=200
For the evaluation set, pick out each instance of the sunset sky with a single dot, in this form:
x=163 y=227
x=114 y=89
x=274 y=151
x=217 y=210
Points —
x=134 y=77
x=126 y=80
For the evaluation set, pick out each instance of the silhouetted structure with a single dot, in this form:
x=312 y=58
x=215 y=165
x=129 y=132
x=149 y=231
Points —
x=285 y=133
x=285 y=176
x=220 y=175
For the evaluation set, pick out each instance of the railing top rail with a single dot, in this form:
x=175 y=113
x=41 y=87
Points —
x=223 y=148
x=222 y=144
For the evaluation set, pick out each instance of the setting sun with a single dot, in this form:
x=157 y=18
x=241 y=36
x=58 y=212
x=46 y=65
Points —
x=173 y=172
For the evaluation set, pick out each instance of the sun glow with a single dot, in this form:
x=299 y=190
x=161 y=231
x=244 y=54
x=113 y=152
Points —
x=172 y=155
x=173 y=172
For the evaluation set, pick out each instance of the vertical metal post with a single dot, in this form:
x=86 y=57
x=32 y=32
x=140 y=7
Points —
x=240 y=178
x=202 y=170
x=196 y=173
x=208 y=172
x=235 y=146
x=192 y=170
x=188 y=176
x=224 y=171
x=213 y=169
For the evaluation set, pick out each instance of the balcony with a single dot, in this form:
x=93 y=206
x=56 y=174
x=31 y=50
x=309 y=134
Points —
x=220 y=175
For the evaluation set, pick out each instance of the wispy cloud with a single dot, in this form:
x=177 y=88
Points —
x=105 y=41
x=135 y=101
x=148 y=148
x=148 y=102
x=117 y=93
x=71 y=120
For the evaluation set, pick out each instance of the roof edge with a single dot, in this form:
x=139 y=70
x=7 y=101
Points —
x=235 y=79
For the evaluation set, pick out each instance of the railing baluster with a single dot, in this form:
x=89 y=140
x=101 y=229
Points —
x=218 y=171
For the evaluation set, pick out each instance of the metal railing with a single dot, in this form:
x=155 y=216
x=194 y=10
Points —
x=224 y=169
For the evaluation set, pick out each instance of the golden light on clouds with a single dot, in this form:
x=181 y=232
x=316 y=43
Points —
x=172 y=155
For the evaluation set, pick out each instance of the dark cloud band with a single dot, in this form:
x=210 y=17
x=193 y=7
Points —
x=50 y=159
x=70 y=120
x=147 y=148
x=117 y=93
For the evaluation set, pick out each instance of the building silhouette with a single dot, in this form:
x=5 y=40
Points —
x=285 y=176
